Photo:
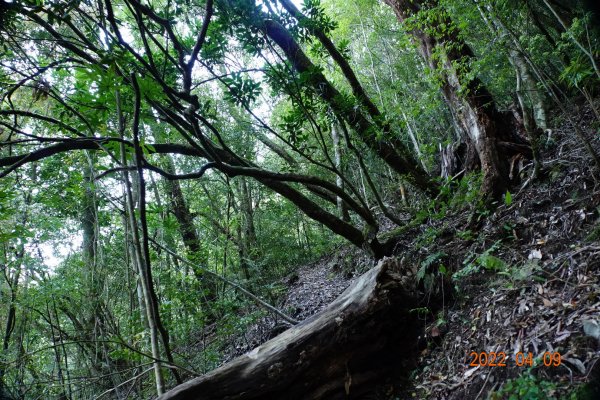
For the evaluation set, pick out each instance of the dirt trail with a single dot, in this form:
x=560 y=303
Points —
x=530 y=281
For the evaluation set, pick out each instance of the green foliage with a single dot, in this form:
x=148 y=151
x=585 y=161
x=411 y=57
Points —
x=578 y=74
x=292 y=122
x=317 y=20
x=8 y=228
x=425 y=273
x=519 y=273
x=420 y=311
x=507 y=198
x=578 y=43
x=215 y=46
x=429 y=236
x=455 y=196
x=526 y=387
x=466 y=234
x=434 y=21
x=486 y=260
x=242 y=90
x=278 y=77
x=249 y=235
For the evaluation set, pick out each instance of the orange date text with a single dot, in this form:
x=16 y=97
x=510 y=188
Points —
x=500 y=359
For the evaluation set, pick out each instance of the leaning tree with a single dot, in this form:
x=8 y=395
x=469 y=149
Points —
x=99 y=65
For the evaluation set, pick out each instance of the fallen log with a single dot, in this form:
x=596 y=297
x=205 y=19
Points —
x=368 y=333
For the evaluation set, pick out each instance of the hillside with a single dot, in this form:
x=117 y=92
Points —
x=299 y=199
x=525 y=281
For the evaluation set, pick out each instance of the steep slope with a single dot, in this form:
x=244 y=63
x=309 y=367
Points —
x=523 y=315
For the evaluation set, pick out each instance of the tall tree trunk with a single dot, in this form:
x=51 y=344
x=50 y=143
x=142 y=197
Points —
x=54 y=336
x=413 y=139
x=337 y=154
x=523 y=66
x=484 y=126
x=530 y=90
x=189 y=235
x=11 y=317
x=140 y=266
x=95 y=325
x=88 y=218
x=140 y=244
x=13 y=279
x=248 y=241
x=145 y=243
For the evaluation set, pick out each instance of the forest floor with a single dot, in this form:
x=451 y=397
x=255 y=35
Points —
x=530 y=284
x=526 y=277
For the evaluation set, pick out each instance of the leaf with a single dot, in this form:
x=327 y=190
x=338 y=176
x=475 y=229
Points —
x=535 y=254
x=421 y=273
x=491 y=262
x=507 y=198
x=147 y=149
x=547 y=303
x=241 y=90
x=432 y=258
x=592 y=328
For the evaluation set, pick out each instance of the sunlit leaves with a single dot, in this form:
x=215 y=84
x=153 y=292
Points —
x=8 y=230
x=207 y=109
x=507 y=198
x=215 y=44
x=291 y=123
x=242 y=90
x=279 y=76
x=150 y=89
x=317 y=18
x=244 y=20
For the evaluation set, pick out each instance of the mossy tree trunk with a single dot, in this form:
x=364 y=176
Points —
x=469 y=100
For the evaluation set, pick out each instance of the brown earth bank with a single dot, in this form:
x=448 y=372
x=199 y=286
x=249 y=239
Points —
x=527 y=283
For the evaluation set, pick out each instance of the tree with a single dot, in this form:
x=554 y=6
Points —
x=108 y=62
x=471 y=103
x=165 y=167
x=391 y=150
x=188 y=232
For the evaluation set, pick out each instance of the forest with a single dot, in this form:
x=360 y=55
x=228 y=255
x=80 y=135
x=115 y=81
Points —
x=299 y=199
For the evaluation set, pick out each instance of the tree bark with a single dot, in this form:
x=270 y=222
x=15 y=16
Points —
x=12 y=277
x=367 y=333
x=337 y=153
x=189 y=235
x=524 y=70
x=534 y=115
x=248 y=241
x=140 y=265
x=11 y=317
x=89 y=218
x=473 y=105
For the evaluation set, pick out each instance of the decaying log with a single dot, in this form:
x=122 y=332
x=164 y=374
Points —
x=368 y=333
